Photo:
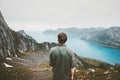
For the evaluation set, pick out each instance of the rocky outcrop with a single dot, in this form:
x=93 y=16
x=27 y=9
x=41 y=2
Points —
x=109 y=37
x=26 y=42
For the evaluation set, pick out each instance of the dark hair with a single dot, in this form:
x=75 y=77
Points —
x=62 y=37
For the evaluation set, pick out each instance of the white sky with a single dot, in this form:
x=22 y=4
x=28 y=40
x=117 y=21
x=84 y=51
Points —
x=32 y=15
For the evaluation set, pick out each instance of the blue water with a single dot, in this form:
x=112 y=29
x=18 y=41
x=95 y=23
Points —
x=91 y=50
x=86 y=49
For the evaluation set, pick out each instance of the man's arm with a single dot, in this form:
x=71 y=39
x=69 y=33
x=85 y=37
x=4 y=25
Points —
x=51 y=60
x=73 y=66
x=51 y=68
x=72 y=73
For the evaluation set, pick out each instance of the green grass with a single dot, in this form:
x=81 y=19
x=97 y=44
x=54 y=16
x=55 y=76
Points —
x=16 y=73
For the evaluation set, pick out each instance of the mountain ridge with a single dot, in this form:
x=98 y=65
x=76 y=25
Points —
x=109 y=37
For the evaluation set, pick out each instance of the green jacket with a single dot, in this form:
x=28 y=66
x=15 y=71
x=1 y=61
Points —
x=62 y=60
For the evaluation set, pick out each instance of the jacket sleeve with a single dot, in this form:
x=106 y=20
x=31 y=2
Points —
x=73 y=64
x=73 y=60
x=51 y=58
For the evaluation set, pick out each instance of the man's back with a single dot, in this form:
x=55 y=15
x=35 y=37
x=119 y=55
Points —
x=61 y=60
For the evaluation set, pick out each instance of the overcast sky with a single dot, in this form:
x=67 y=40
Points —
x=51 y=14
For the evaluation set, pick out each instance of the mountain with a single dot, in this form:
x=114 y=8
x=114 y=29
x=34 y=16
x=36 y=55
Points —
x=108 y=37
x=74 y=31
x=21 y=47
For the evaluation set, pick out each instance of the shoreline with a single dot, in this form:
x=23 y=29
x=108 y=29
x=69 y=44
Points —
x=101 y=44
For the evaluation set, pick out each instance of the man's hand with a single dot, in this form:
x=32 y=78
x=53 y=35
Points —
x=72 y=77
x=51 y=68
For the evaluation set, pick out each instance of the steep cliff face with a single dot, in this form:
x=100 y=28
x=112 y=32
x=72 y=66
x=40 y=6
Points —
x=7 y=40
x=11 y=42
x=109 y=37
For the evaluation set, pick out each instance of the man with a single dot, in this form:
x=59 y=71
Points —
x=62 y=60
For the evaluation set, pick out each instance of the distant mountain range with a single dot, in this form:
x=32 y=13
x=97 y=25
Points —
x=74 y=31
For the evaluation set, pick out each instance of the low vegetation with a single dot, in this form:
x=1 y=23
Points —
x=42 y=72
x=16 y=73
x=98 y=74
